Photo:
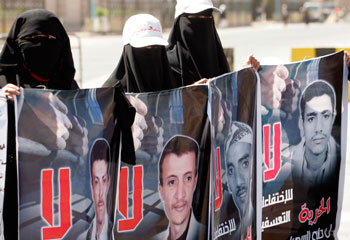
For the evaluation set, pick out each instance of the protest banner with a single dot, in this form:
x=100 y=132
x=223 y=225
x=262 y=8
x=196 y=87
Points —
x=68 y=162
x=232 y=112
x=304 y=146
x=212 y=161
x=167 y=192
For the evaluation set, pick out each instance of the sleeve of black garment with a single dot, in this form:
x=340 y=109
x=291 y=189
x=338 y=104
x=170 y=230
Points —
x=349 y=73
x=75 y=85
x=3 y=81
x=125 y=114
x=7 y=75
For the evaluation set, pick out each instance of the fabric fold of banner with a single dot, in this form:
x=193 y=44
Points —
x=233 y=165
x=165 y=195
x=68 y=158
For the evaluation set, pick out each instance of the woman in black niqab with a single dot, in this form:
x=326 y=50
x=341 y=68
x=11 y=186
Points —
x=143 y=66
x=195 y=50
x=144 y=69
x=36 y=54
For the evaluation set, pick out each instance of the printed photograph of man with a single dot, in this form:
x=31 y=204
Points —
x=101 y=226
x=177 y=183
x=314 y=159
x=238 y=171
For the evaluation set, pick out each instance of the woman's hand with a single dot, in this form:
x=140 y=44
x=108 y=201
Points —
x=11 y=90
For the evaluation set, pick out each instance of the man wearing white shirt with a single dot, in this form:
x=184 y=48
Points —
x=101 y=226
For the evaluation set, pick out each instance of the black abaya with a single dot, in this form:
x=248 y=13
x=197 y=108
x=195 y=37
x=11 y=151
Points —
x=195 y=50
x=143 y=69
x=21 y=63
x=40 y=61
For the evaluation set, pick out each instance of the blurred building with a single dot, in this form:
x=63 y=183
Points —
x=325 y=9
x=71 y=13
x=238 y=12
x=343 y=5
x=110 y=15
x=268 y=7
x=82 y=15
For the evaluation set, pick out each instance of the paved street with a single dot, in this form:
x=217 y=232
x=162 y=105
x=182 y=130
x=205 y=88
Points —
x=100 y=55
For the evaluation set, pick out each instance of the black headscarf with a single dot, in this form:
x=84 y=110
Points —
x=33 y=62
x=195 y=50
x=144 y=69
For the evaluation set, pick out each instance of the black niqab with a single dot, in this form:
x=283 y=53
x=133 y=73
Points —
x=37 y=62
x=195 y=50
x=144 y=69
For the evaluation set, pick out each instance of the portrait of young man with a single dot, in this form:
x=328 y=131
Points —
x=314 y=159
x=177 y=169
x=101 y=226
x=238 y=151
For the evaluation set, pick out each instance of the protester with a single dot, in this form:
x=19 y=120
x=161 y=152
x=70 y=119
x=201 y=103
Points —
x=36 y=54
x=195 y=51
x=143 y=66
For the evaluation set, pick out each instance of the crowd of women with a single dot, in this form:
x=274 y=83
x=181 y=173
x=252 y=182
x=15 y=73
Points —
x=37 y=54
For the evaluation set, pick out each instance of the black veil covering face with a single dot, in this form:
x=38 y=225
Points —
x=38 y=50
x=144 y=69
x=195 y=50
x=36 y=54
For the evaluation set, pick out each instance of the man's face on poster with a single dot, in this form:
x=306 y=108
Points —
x=318 y=123
x=237 y=166
x=179 y=179
x=100 y=184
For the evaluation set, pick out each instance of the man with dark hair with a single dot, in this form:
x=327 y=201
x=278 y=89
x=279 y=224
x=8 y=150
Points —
x=101 y=226
x=178 y=146
x=238 y=150
x=316 y=89
x=177 y=183
x=314 y=158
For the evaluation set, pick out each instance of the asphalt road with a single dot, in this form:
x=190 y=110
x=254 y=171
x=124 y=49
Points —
x=268 y=42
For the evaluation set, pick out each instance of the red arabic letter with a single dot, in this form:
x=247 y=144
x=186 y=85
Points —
x=249 y=233
x=272 y=171
x=320 y=211
x=123 y=191
x=218 y=187
x=46 y=197
x=56 y=232
x=328 y=205
x=304 y=214
x=266 y=134
x=130 y=224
